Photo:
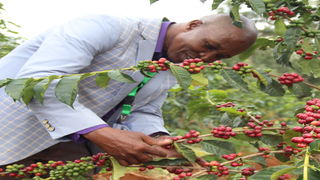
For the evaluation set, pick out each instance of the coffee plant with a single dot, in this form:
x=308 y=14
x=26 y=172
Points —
x=237 y=141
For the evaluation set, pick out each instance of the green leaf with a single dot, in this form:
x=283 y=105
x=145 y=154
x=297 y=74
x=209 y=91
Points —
x=262 y=77
x=258 y=6
x=182 y=75
x=102 y=80
x=276 y=174
x=313 y=175
x=153 y=1
x=282 y=157
x=118 y=171
x=282 y=55
x=235 y=15
x=280 y=27
x=300 y=90
x=283 y=51
x=206 y=177
x=317 y=40
x=260 y=160
x=226 y=120
x=199 y=79
x=217 y=147
x=185 y=152
x=15 y=88
x=41 y=87
x=271 y=140
x=273 y=89
x=315 y=146
x=306 y=46
x=238 y=122
x=260 y=43
x=168 y=162
x=266 y=173
x=120 y=76
x=234 y=79
x=4 y=82
x=67 y=89
x=28 y=92
x=216 y=3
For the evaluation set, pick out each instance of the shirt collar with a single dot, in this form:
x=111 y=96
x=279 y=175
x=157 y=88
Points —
x=162 y=36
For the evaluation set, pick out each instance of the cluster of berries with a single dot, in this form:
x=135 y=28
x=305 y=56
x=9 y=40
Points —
x=290 y=78
x=216 y=66
x=217 y=169
x=71 y=170
x=281 y=11
x=254 y=128
x=222 y=131
x=192 y=137
x=311 y=113
x=307 y=137
x=310 y=119
x=306 y=55
x=228 y=104
x=242 y=68
x=182 y=174
x=194 y=66
x=247 y=171
x=230 y=157
x=288 y=149
x=147 y=167
x=154 y=66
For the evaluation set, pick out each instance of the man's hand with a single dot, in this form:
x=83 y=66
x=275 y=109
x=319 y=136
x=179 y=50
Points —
x=128 y=147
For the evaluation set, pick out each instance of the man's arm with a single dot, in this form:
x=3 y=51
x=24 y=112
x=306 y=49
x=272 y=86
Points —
x=67 y=50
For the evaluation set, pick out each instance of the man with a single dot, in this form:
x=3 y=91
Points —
x=96 y=43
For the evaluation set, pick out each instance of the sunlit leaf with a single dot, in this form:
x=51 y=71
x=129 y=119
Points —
x=15 y=88
x=182 y=75
x=185 y=152
x=258 y=6
x=216 y=3
x=41 y=87
x=280 y=27
x=276 y=174
x=217 y=147
x=67 y=89
x=118 y=171
x=234 y=79
x=267 y=172
x=102 y=80
x=120 y=76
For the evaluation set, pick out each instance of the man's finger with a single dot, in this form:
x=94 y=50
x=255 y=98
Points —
x=143 y=157
x=156 y=150
x=123 y=162
x=159 y=141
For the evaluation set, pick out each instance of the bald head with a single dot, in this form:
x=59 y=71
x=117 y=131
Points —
x=248 y=29
x=209 y=38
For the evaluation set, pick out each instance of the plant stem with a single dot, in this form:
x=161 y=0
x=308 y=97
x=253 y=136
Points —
x=253 y=155
x=208 y=135
x=306 y=164
x=94 y=73
x=252 y=117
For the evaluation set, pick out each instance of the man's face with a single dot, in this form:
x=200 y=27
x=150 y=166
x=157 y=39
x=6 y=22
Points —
x=208 y=42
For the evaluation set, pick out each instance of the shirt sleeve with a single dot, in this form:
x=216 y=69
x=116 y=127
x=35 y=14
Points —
x=68 y=49
x=77 y=138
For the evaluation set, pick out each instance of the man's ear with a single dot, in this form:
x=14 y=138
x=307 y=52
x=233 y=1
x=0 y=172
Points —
x=193 y=24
